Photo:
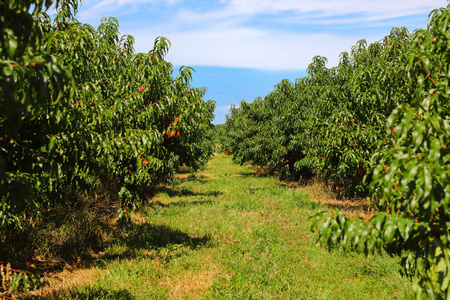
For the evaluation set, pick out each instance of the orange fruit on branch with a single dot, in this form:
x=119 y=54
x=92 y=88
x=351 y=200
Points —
x=167 y=134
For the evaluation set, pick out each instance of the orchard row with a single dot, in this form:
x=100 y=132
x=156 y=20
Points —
x=379 y=123
x=332 y=121
x=79 y=107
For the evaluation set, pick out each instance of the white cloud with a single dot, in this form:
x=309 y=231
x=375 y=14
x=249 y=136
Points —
x=314 y=11
x=223 y=109
x=248 y=48
x=116 y=4
x=95 y=10
x=223 y=36
x=327 y=8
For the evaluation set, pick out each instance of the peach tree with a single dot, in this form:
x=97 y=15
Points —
x=330 y=122
x=81 y=107
x=411 y=178
x=32 y=83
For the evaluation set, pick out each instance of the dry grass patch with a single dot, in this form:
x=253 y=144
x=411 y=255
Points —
x=137 y=218
x=205 y=175
x=55 y=285
x=191 y=285
x=183 y=170
x=183 y=176
x=263 y=171
x=194 y=283
x=321 y=193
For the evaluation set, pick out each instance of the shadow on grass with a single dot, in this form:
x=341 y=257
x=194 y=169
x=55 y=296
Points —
x=352 y=205
x=307 y=204
x=164 y=242
x=247 y=173
x=180 y=203
x=260 y=171
x=186 y=193
x=87 y=292
x=149 y=237
x=192 y=177
x=100 y=293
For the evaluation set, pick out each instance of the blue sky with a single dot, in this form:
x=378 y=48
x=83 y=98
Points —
x=241 y=48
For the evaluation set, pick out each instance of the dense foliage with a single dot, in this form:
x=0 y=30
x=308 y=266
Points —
x=79 y=106
x=411 y=178
x=329 y=122
x=381 y=115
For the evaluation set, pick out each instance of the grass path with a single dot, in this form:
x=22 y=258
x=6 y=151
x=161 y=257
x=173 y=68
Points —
x=223 y=233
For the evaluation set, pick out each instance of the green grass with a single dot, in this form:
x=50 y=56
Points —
x=223 y=233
